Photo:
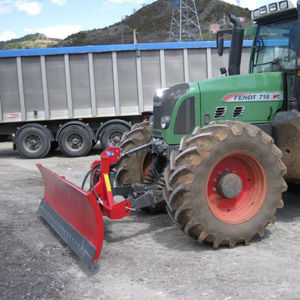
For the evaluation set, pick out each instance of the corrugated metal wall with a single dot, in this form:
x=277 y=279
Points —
x=64 y=83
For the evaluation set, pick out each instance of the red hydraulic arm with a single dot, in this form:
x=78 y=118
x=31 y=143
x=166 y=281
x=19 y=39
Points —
x=103 y=188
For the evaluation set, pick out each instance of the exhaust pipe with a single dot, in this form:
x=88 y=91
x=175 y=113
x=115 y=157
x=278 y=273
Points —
x=236 y=46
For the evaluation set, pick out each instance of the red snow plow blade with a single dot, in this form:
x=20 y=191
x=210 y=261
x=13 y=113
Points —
x=77 y=215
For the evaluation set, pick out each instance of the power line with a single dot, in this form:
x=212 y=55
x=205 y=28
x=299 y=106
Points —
x=185 y=25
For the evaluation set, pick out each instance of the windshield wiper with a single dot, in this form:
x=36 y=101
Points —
x=276 y=64
x=259 y=45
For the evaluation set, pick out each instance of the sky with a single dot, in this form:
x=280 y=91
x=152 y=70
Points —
x=60 y=18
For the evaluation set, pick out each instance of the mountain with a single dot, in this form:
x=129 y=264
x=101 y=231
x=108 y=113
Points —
x=152 y=23
x=29 y=41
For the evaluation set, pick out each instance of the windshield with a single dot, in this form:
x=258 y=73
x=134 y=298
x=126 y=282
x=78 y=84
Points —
x=275 y=47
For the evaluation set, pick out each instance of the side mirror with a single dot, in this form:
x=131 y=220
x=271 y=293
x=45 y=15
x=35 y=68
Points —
x=220 y=43
x=223 y=71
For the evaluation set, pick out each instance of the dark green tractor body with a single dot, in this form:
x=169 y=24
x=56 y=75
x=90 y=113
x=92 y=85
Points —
x=221 y=148
x=253 y=98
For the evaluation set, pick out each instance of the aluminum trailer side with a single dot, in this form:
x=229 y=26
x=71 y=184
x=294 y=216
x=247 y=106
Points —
x=76 y=96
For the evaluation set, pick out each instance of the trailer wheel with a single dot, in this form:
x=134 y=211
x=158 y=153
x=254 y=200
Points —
x=225 y=183
x=33 y=142
x=111 y=135
x=74 y=141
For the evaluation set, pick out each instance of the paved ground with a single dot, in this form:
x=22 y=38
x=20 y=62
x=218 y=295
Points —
x=144 y=257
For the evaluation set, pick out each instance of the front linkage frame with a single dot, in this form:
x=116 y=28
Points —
x=77 y=215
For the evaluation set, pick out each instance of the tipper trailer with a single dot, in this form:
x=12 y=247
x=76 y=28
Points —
x=73 y=97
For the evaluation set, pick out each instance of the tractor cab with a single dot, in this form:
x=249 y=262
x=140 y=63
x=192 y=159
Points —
x=274 y=45
x=275 y=41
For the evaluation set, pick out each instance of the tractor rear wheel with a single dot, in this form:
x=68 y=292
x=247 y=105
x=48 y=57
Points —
x=225 y=183
x=136 y=167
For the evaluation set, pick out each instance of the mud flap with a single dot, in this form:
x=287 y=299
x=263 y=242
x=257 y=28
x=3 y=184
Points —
x=73 y=214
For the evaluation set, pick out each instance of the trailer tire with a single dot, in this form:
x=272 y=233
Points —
x=225 y=183
x=75 y=141
x=112 y=134
x=33 y=142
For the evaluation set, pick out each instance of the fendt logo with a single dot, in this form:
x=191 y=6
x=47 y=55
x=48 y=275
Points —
x=251 y=97
x=276 y=96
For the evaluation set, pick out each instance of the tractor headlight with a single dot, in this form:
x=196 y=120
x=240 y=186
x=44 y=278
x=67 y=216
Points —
x=256 y=13
x=272 y=7
x=165 y=122
x=283 y=5
x=160 y=92
x=263 y=10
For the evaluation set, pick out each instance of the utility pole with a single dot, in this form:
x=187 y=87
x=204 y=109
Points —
x=134 y=36
x=185 y=25
x=122 y=34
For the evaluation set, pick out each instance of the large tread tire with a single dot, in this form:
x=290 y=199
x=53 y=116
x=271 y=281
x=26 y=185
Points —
x=286 y=132
x=136 y=168
x=131 y=168
x=189 y=172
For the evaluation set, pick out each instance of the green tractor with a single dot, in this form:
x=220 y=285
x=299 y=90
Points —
x=217 y=152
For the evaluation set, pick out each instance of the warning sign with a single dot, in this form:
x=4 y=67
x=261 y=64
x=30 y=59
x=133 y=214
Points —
x=250 y=97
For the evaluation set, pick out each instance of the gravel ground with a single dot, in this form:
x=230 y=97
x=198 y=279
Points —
x=143 y=257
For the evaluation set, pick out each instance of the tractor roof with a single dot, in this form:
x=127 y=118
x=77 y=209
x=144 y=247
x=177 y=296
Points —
x=273 y=8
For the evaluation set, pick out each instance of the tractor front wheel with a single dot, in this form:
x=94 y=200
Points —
x=225 y=183
x=136 y=167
